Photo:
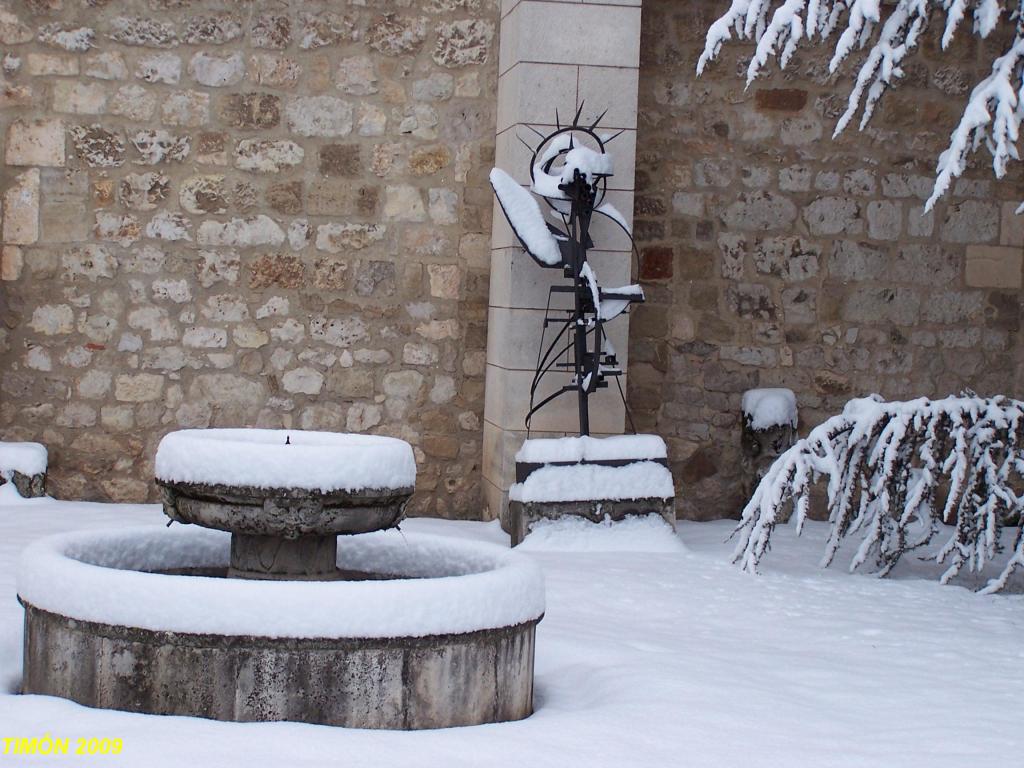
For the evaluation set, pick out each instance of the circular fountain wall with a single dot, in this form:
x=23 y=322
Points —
x=440 y=633
x=265 y=617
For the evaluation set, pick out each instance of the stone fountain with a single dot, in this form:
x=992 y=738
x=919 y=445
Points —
x=259 y=615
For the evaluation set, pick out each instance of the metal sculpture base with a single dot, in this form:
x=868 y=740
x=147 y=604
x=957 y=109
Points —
x=523 y=515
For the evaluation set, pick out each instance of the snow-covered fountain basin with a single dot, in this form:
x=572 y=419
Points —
x=395 y=631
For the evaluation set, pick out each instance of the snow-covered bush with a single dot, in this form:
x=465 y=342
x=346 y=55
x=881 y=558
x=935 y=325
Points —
x=992 y=115
x=896 y=471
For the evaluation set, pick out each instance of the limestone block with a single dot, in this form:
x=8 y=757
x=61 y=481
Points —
x=394 y=35
x=267 y=155
x=138 y=387
x=971 y=221
x=169 y=226
x=215 y=29
x=39 y=142
x=217 y=71
x=13 y=30
x=186 y=108
x=338 y=331
x=1011 y=228
x=603 y=35
x=994 y=266
x=463 y=42
x=884 y=219
x=159 y=68
x=308 y=381
x=318 y=30
x=21 y=209
x=98 y=147
x=43 y=64
x=270 y=30
x=513 y=336
x=337 y=238
x=508 y=401
x=319 y=116
x=517 y=281
x=834 y=215
x=403 y=203
x=123 y=229
x=88 y=261
x=159 y=146
x=12 y=261
x=143 y=191
x=106 y=65
x=759 y=211
x=252 y=231
x=270 y=70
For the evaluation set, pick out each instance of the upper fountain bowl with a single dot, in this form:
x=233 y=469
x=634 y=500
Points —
x=285 y=483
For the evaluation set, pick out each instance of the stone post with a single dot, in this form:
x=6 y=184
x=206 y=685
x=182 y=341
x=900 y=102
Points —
x=554 y=55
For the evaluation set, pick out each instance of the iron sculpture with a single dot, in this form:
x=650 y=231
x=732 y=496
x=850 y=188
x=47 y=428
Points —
x=569 y=170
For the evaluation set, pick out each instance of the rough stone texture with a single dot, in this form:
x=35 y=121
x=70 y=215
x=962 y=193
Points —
x=774 y=256
x=211 y=239
x=362 y=683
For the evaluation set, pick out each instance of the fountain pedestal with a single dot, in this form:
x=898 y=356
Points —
x=284 y=533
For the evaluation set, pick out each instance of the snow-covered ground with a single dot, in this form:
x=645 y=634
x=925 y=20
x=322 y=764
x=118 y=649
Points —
x=653 y=658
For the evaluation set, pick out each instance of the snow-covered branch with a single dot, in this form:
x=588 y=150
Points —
x=993 y=112
x=888 y=465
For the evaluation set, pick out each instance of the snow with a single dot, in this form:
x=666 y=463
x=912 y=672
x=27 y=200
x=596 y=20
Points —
x=612 y=308
x=589 y=163
x=25 y=458
x=897 y=472
x=587 y=482
x=523 y=214
x=636 y=533
x=645 y=660
x=991 y=117
x=770 y=407
x=448 y=586
x=551 y=449
x=323 y=461
x=588 y=274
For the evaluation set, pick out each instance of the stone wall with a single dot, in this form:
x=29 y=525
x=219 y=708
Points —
x=269 y=214
x=774 y=256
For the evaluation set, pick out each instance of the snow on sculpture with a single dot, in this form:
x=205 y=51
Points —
x=993 y=113
x=569 y=171
x=889 y=465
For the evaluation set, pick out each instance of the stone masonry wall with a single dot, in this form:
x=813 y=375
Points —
x=774 y=256
x=245 y=213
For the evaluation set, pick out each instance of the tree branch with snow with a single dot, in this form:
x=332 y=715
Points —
x=993 y=112
x=898 y=471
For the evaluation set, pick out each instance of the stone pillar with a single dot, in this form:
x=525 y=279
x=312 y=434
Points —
x=554 y=54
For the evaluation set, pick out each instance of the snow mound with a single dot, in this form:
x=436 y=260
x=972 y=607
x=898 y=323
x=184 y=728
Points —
x=547 y=450
x=771 y=407
x=442 y=586
x=639 y=533
x=26 y=458
x=589 y=482
x=260 y=458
